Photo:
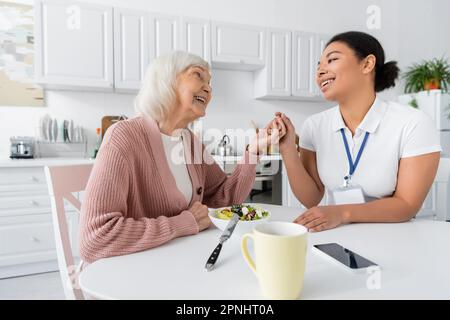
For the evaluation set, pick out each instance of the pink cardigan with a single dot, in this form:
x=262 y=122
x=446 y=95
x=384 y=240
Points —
x=132 y=202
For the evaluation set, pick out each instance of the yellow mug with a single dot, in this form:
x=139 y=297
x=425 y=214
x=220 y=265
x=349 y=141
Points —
x=280 y=256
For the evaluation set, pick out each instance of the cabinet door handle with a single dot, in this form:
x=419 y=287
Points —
x=34 y=203
x=34 y=179
x=34 y=239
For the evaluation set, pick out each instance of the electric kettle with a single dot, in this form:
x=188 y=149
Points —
x=224 y=148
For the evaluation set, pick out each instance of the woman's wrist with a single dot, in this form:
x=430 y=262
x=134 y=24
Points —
x=288 y=148
x=346 y=214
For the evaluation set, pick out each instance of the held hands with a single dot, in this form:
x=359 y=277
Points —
x=290 y=139
x=322 y=218
x=200 y=213
x=268 y=138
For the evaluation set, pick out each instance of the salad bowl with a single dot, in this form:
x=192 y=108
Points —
x=250 y=215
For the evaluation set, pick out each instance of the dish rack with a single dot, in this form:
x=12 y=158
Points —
x=47 y=149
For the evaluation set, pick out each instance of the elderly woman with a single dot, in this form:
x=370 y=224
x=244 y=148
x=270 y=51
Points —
x=140 y=194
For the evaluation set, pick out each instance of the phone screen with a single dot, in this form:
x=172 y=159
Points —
x=345 y=256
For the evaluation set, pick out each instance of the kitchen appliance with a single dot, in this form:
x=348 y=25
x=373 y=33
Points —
x=22 y=147
x=224 y=237
x=267 y=187
x=224 y=148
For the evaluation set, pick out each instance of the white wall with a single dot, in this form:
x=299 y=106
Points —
x=410 y=31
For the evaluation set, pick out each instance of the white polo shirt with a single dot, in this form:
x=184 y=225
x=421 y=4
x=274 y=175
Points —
x=395 y=131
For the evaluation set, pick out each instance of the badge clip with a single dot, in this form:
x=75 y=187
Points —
x=347 y=179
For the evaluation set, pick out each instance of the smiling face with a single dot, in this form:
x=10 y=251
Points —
x=193 y=90
x=341 y=72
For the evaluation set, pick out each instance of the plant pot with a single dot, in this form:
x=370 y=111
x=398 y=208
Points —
x=431 y=84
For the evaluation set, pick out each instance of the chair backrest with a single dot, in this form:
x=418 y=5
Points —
x=62 y=182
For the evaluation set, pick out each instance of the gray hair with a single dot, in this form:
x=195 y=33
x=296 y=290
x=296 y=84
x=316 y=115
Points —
x=157 y=93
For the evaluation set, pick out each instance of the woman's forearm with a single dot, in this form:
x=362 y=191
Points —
x=302 y=184
x=110 y=233
x=221 y=190
x=391 y=209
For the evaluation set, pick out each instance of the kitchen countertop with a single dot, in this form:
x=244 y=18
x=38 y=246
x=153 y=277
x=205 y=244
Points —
x=39 y=162
x=444 y=165
x=272 y=157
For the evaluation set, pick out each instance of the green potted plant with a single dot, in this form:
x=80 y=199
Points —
x=428 y=75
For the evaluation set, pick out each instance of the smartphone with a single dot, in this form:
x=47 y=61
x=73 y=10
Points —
x=344 y=256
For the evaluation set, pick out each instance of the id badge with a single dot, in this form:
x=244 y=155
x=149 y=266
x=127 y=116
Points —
x=348 y=195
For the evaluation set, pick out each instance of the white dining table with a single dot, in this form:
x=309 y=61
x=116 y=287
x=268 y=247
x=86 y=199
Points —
x=414 y=260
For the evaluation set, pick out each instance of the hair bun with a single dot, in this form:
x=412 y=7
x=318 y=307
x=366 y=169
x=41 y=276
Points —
x=386 y=75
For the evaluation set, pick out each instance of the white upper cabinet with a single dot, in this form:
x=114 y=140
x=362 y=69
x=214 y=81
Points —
x=236 y=46
x=274 y=80
x=164 y=34
x=321 y=42
x=73 y=44
x=91 y=46
x=291 y=66
x=131 y=48
x=196 y=37
x=304 y=64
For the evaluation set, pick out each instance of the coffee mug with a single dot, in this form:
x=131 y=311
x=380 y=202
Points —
x=280 y=254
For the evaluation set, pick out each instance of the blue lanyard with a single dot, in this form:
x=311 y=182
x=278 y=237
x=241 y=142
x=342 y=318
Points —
x=349 y=155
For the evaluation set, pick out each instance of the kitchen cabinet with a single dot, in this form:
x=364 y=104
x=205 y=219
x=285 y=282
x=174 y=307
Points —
x=196 y=37
x=131 y=48
x=27 y=242
x=96 y=47
x=140 y=37
x=307 y=49
x=321 y=42
x=73 y=44
x=164 y=34
x=291 y=66
x=274 y=80
x=236 y=46
x=304 y=63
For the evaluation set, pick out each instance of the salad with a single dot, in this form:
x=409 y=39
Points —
x=245 y=212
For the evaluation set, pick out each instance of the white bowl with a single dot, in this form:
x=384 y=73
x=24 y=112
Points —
x=241 y=227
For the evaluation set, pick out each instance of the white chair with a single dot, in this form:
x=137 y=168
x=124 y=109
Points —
x=62 y=182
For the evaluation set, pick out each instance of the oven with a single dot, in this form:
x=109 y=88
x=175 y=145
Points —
x=267 y=187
